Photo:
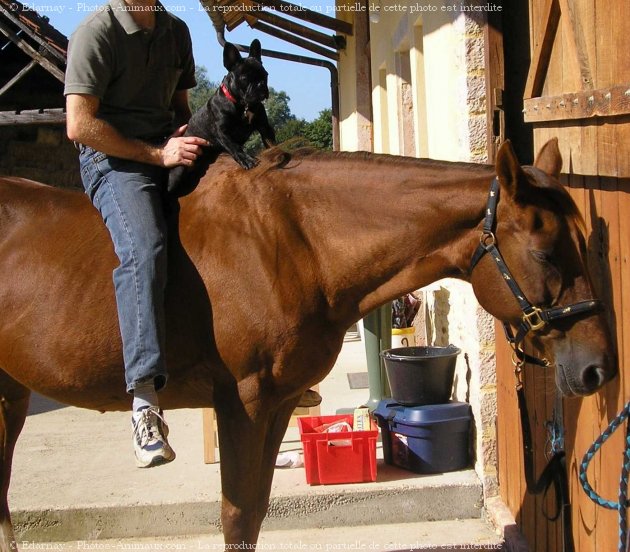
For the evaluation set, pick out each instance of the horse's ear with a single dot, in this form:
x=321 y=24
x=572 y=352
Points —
x=255 y=49
x=549 y=159
x=509 y=171
x=231 y=56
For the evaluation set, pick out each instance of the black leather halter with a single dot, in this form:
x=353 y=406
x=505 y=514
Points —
x=534 y=318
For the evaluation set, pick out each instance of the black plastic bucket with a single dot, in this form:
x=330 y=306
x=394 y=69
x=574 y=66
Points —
x=421 y=375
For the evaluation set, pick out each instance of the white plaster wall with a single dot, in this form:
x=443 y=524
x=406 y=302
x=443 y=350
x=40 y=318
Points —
x=446 y=51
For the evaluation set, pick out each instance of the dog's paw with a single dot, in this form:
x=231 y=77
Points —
x=247 y=161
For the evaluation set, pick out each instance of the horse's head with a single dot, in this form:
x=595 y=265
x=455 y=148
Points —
x=539 y=233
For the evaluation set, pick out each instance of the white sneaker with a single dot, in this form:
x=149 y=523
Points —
x=149 y=438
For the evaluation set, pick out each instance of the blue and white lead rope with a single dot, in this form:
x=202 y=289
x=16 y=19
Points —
x=622 y=504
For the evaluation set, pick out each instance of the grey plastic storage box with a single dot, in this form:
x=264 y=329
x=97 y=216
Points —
x=425 y=439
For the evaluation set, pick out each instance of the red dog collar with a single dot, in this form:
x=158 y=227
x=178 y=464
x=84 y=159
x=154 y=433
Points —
x=227 y=93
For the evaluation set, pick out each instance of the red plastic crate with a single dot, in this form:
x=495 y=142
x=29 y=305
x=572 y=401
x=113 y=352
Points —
x=326 y=463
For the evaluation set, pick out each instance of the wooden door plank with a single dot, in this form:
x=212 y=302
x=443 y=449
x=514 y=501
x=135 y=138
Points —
x=607 y=465
x=622 y=72
x=542 y=49
x=606 y=52
x=613 y=101
x=578 y=54
x=577 y=187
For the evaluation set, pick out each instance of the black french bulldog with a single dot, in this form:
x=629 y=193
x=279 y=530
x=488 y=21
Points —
x=229 y=118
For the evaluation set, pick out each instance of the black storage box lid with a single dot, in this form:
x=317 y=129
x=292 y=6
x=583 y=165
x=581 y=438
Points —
x=453 y=413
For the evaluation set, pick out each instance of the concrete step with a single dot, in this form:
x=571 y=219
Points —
x=394 y=499
x=74 y=478
x=470 y=534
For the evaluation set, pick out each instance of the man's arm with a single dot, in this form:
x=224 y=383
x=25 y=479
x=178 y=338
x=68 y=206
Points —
x=85 y=127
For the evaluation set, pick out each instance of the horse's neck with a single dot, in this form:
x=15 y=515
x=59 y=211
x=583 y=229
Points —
x=383 y=238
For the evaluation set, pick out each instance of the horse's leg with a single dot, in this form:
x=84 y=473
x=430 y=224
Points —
x=248 y=434
x=14 y=400
x=277 y=428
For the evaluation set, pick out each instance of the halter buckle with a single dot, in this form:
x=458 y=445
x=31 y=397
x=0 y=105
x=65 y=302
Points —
x=534 y=319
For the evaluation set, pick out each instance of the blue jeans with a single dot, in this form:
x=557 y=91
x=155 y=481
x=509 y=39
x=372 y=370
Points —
x=130 y=198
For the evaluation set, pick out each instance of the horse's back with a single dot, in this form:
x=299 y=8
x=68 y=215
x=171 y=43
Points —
x=36 y=205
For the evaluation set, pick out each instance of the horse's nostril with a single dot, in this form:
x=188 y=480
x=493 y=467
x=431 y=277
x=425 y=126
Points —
x=593 y=377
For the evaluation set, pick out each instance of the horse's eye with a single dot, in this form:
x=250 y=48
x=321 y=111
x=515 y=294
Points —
x=540 y=256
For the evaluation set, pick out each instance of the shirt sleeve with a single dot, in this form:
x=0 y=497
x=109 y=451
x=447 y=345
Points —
x=187 y=79
x=90 y=62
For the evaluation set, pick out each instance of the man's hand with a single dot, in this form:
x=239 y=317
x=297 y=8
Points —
x=84 y=126
x=181 y=150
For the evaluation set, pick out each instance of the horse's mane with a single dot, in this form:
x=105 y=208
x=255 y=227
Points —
x=288 y=153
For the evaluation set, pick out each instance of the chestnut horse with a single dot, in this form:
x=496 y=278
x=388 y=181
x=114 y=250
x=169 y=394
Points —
x=296 y=252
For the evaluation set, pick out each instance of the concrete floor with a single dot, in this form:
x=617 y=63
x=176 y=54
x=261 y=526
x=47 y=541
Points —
x=74 y=481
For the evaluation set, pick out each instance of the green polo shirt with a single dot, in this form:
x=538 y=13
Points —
x=133 y=72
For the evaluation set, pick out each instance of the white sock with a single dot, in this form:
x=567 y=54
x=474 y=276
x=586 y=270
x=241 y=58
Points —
x=144 y=395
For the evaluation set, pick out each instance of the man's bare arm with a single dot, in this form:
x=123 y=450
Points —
x=85 y=127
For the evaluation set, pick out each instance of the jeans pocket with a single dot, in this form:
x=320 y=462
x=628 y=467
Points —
x=92 y=171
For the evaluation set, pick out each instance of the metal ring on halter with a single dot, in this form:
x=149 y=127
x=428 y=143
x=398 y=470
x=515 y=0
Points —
x=487 y=238
x=518 y=359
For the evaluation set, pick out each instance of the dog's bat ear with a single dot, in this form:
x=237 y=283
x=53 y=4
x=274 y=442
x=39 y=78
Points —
x=231 y=56
x=255 y=49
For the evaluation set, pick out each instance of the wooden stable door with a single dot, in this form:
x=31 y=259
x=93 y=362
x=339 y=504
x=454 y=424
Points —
x=578 y=89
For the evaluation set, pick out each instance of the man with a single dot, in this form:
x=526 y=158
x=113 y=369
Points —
x=130 y=66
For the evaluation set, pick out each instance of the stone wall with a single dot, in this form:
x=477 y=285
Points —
x=41 y=153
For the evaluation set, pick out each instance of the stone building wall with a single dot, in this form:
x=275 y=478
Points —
x=41 y=153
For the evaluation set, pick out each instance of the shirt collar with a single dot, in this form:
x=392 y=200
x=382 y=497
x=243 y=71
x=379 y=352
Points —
x=121 y=13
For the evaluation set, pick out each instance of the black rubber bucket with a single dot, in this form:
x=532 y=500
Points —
x=421 y=375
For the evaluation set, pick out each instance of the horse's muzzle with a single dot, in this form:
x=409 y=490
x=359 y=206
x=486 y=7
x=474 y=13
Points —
x=582 y=372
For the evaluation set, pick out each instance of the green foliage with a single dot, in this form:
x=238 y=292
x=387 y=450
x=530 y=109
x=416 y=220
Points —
x=277 y=107
x=205 y=88
x=319 y=131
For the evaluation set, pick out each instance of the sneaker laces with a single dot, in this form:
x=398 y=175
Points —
x=147 y=427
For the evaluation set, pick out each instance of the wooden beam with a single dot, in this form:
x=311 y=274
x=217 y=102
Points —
x=293 y=39
x=300 y=30
x=25 y=28
x=606 y=102
x=363 y=82
x=310 y=16
x=542 y=53
x=17 y=77
x=495 y=85
x=31 y=52
x=55 y=116
x=577 y=54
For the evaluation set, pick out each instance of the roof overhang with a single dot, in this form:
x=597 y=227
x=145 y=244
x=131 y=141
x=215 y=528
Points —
x=263 y=16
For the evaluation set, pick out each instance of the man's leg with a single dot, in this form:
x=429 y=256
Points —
x=129 y=197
